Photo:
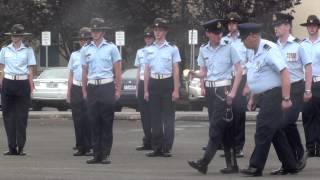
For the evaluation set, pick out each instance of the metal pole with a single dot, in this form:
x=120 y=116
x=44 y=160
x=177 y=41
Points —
x=46 y=57
x=120 y=50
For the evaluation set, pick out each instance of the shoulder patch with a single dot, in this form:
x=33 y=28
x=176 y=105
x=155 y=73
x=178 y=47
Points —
x=266 y=47
x=171 y=44
x=297 y=40
x=226 y=42
x=204 y=44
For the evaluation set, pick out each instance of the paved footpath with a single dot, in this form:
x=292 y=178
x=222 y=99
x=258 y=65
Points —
x=50 y=142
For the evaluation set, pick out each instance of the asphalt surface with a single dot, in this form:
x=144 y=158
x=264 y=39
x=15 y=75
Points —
x=50 y=142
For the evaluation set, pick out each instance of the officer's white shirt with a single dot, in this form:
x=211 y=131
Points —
x=264 y=68
x=161 y=59
x=313 y=50
x=295 y=56
x=16 y=61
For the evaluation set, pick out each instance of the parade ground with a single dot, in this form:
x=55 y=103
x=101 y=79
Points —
x=51 y=138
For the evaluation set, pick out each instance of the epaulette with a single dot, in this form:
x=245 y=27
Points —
x=297 y=40
x=266 y=47
x=226 y=42
x=171 y=44
x=204 y=44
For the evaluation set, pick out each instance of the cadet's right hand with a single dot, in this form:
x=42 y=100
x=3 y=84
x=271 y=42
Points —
x=146 y=96
x=285 y=105
x=68 y=98
x=251 y=105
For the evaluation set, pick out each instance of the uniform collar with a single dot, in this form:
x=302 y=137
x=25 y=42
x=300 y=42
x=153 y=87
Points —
x=233 y=38
x=165 y=43
x=22 y=46
x=289 y=40
x=104 y=42
x=308 y=40
x=222 y=43
x=260 y=49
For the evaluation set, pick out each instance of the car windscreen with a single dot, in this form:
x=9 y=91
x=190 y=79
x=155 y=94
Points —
x=130 y=74
x=54 y=74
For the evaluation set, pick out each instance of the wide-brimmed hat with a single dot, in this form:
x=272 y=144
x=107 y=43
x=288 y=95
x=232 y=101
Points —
x=233 y=17
x=312 y=19
x=215 y=25
x=98 y=24
x=161 y=22
x=281 y=18
x=17 y=30
x=148 y=32
x=84 y=33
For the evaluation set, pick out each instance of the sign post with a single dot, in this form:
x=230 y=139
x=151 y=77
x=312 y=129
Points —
x=46 y=41
x=193 y=40
x=120 y=40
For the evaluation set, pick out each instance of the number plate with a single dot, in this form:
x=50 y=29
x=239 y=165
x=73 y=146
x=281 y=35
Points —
x=129 y=87
x=52 y=85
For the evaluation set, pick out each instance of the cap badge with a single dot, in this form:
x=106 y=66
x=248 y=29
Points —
x=219 y=25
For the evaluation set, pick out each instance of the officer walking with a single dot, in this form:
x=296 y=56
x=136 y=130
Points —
x=75 y=98
x=269 y=80
x=311 y=109
x=16 y=61
x=142 y=103
x=161 y=88
x=299 y=66
x=239 y=105
x=101 y=85
x=216 y=60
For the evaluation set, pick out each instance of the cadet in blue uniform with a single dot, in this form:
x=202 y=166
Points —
x=101 y=85
x=299 y=66
x=266 y=74
x=142 y=103
x=311 y=109
x=75 y=98
x=161 y=88
x=17 y=60
x=216 y=60
x=239 y=105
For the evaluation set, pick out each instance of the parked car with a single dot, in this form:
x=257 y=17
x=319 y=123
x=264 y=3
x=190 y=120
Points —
x=128 y=90
x=51 y=88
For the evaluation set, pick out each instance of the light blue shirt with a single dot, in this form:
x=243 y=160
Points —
x=238 y=45
x=16 y=61
x=100 y=59
x=75 y=65
x=218 y=61
x=140 y=60
x=160 y=59
x=295 y=56
x=264 y=68
x=313 y=50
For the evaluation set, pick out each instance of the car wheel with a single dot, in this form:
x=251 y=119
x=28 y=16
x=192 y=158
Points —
x=62 y=108
x=36 y=107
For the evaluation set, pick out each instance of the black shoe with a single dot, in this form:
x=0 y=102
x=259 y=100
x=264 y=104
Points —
x=79 y=153
x=143 y=148
x=303 y=162
x=222 y=155
x=20 y=152
x=312 y=153
x=204 y=148
x=94 y=161
x=239 y=154
x=88 y=153
x=251 y=171
x=198 y=165
x=166 y=154
x=279 y=171
x=74 y=148
x=106 y=160
x=230 y=170
x=154 y=154
x=10 y=153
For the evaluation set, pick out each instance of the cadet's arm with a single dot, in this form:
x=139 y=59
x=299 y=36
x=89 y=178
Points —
x=84 y=80
x=176 y=79
x=308 y=76
x=30 y=78
x=117 y=74
x=285 y=79
x=146 y=81
x=70 y=79
x=137 y=80
x=2 y=74
x=237 y=79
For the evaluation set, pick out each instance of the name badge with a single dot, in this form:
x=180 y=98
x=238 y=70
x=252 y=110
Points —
x=291 y=57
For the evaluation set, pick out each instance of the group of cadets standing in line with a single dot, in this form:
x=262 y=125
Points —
x=282 y=78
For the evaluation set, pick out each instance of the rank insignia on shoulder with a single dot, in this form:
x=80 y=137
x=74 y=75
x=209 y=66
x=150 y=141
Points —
x=88 y=55
x=171 y=44
x=204 y=44
x=266 y=47
x=226 y=41
x=297 y=40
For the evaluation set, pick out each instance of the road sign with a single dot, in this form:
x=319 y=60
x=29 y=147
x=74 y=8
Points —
x=120 y=38
x=193 y=36
x=46 y=38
